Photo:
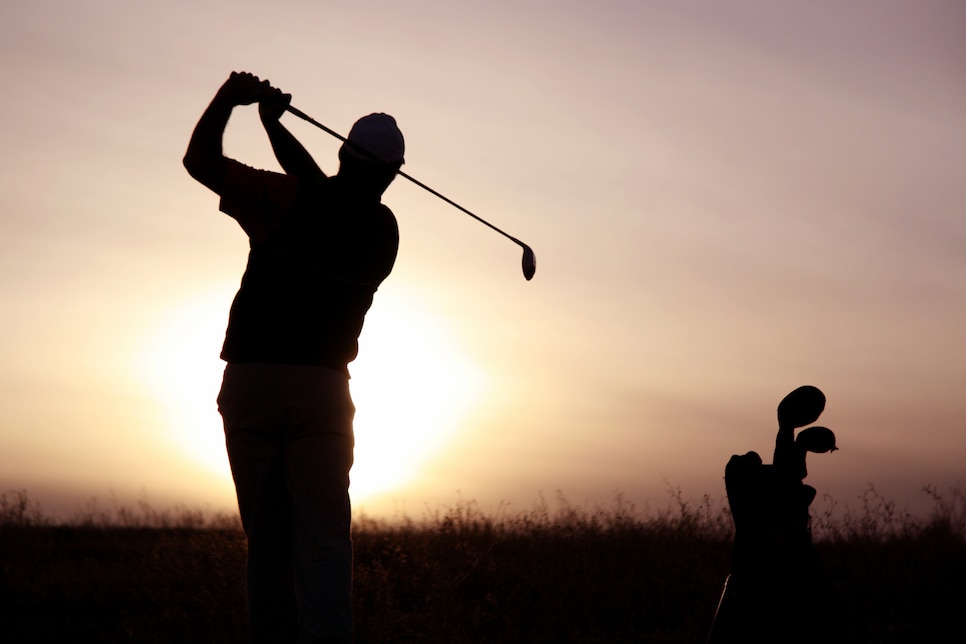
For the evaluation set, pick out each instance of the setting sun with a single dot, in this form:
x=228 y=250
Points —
x=411 y=385
x=183 y=373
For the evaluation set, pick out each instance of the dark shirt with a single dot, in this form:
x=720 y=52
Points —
x=318 y=253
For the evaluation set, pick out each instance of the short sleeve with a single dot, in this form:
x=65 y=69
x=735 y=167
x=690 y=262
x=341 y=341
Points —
x=256 y=199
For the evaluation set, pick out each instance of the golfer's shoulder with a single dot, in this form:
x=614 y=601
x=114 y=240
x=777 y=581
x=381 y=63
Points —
x=387 y=224
x=241 y=176
x=383 y=213
x=249 y=188
x=257 y=199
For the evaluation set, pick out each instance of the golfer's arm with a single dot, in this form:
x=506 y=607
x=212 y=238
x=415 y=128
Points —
x=204 y=159
x=291 y=155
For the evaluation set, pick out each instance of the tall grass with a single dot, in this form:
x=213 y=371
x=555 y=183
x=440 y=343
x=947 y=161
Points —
x=550 y=574
x=898 y=577
x=17 y=510
x=556 y=572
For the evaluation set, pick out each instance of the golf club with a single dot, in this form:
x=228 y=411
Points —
x=529 y=259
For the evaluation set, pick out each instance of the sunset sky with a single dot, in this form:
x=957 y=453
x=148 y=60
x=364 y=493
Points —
x=727 y=200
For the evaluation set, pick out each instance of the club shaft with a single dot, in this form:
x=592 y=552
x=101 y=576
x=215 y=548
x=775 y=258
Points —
x=302 y=115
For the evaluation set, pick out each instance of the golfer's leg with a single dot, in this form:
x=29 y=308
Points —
x=318 y=459
x=255 y=452
x=323 y=547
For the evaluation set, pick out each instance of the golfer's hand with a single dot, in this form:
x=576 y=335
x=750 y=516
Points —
x=272 y=104
x=243 y=88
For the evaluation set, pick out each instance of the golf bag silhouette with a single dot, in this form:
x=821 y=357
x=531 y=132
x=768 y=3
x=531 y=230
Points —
x=776 y=590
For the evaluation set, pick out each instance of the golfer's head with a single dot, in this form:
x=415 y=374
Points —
x=373 y=153
x=375 y=139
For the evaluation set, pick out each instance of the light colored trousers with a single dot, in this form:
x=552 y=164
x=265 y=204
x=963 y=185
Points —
x=288 y=430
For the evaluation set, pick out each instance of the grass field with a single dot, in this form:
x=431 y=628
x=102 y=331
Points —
x=556 y=573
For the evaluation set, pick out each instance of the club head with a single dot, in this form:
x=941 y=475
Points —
x=529 y=262
x=801 y=407
x=818 y=440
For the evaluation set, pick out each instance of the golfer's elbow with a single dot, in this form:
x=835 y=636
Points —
x=190 y=164
x=206 y=171
x=196 y=164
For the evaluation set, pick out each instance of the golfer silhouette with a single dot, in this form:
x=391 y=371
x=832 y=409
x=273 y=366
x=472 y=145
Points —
x=776 y=591
x=319 y=247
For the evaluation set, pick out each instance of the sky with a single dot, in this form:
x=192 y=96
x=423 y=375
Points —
x=727 y=199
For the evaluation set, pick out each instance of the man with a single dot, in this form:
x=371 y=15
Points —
x=319 y=248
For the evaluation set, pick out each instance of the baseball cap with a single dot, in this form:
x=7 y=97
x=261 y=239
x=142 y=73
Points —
x=379 y=136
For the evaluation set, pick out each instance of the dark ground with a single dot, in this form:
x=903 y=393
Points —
x=602 y=576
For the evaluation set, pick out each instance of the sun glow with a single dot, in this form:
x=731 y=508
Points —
x=182 y=370
x=412 y=385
